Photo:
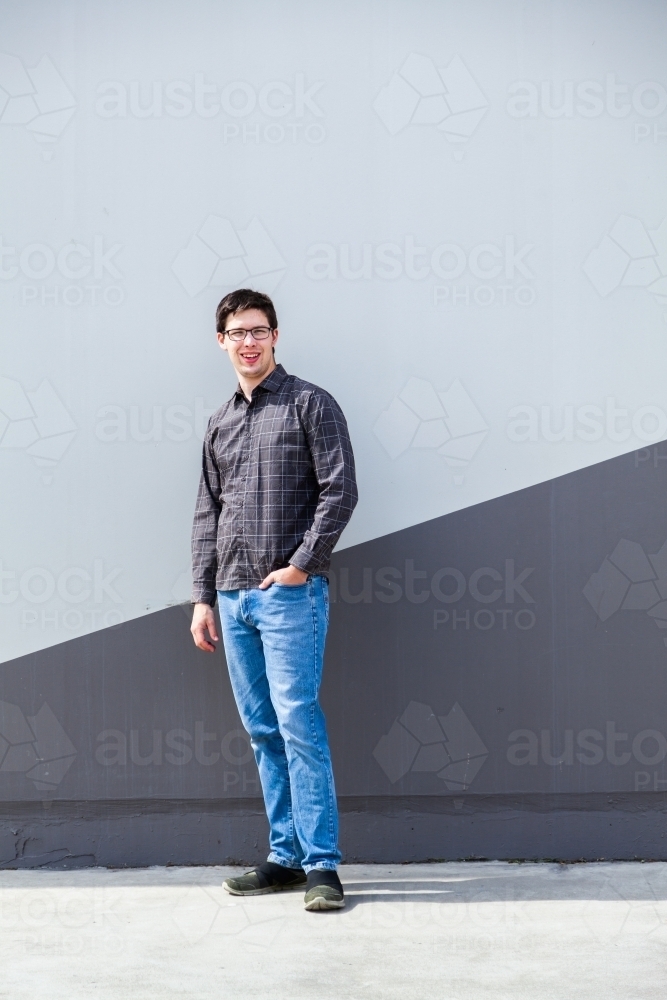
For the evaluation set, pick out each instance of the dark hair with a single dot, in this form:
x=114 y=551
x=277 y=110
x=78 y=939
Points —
x=240 y=300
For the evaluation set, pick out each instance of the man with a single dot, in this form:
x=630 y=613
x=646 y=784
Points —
x=276 y=490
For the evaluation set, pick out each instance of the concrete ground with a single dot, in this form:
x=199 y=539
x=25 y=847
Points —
x=456 y=931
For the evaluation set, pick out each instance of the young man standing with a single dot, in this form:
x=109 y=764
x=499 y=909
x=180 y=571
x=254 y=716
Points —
x=277 y=488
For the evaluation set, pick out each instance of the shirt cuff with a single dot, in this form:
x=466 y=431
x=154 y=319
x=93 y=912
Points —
x=204 y=597
x=304 y=560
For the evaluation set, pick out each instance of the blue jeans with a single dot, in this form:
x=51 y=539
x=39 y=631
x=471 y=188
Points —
x=274 y=644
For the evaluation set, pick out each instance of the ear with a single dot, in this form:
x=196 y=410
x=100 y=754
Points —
x=222 y=342
x=274 y=336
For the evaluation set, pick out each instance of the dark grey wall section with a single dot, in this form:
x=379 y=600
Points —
x=495 y=686
x=510 y=647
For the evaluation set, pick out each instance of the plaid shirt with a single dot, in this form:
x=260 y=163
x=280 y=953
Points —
x=277 y=486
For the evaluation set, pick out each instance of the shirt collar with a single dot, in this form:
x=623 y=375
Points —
x=271 y=383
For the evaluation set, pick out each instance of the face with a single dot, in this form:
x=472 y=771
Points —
x=252 y=359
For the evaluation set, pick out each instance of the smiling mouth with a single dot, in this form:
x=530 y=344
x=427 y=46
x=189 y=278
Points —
x=251 y=358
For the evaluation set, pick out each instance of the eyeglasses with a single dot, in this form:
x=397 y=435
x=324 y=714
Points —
x=258 y=332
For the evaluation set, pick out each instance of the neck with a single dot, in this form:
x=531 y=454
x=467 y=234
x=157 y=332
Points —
x=248 y=382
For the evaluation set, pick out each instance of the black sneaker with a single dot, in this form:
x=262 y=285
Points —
x=268 y=877
x=323 y=890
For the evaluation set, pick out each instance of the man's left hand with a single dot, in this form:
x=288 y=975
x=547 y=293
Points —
x=290 y=577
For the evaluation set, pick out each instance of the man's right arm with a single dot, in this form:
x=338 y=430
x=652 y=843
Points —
x=204 y=549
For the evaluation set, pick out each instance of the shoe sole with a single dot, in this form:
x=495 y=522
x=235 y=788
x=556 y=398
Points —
x=261 y=892
x=321 y=903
